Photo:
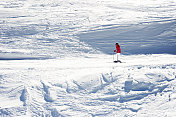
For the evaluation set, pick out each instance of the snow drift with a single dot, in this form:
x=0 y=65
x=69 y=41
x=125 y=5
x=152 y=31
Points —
x=56 y=58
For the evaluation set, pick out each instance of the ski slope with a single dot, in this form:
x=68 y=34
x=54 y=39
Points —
x=56 y=58
x=142 y=86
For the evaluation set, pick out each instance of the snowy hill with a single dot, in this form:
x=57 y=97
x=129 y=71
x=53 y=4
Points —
x=56 y=58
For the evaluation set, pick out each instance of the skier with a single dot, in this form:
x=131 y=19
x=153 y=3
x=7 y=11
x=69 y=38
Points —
x=118 y=51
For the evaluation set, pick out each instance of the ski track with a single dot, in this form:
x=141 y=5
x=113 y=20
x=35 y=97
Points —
x=56 y=58
x=128 y=89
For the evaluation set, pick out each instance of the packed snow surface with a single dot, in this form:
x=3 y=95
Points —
x=142 y=85
x=56 y=58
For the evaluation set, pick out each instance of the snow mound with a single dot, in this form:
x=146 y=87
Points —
x=94 y=87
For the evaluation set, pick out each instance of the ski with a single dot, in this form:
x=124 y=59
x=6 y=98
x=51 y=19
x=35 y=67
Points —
x=118 y=61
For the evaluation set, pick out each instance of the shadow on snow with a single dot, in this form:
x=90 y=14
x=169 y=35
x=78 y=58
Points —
x=145 y=38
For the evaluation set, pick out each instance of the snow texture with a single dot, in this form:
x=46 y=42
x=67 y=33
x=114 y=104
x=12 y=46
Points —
x=56 y=58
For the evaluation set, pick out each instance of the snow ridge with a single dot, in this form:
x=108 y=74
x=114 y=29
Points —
x=56 y=58
x=128 y=89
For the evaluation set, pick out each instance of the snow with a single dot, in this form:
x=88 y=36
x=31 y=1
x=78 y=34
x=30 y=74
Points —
x=89 y=86
x=56 y=58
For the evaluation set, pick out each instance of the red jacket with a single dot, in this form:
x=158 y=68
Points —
x=118 y=50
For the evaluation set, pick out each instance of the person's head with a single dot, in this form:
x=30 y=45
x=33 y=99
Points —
x=117 y=44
